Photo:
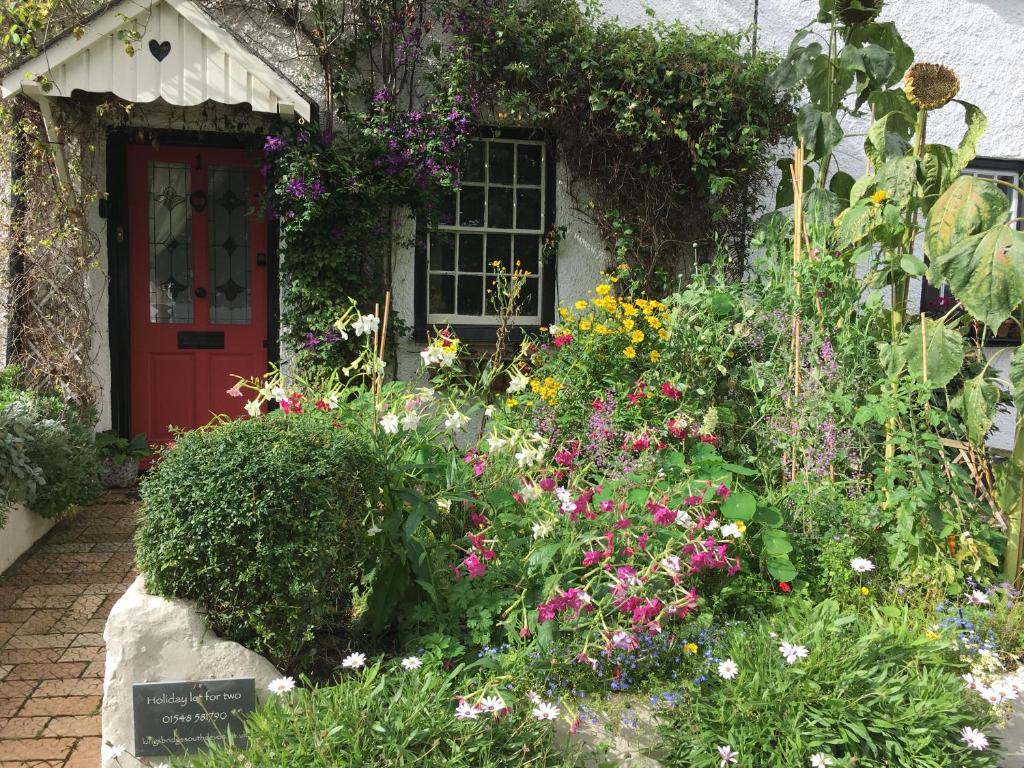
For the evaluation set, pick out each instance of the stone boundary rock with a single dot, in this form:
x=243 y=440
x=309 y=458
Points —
x=23 y=529
x=151 y=639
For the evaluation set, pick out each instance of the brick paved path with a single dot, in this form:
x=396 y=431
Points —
x=53 y=604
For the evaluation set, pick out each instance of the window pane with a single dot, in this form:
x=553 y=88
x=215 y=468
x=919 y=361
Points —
x=528 y=297
x=471 y=294
x=527 y=253
x=501 y=162
x=170 y=243
x=442 y=294
x=527 y=209
x=528 y=168
x=471 y=210
x=473 y=170
x=230 y=267
x=446 y=214
x=499 y=208
x=499 y=248
x=471 y=253
x=442 y=251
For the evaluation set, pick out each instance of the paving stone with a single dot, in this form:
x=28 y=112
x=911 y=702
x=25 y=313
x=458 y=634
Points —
x=51 y=671
x=61 y=640
x=87 y=687
x=40 y=622
x=32 y=656
x=10 y=707
x=81 y=654
x=35 y=749
x=15 y=688
x=88 y=639
x=73 y=725
x=24 y=727
x=66 y=705
x=95 y=669
x=86 y=754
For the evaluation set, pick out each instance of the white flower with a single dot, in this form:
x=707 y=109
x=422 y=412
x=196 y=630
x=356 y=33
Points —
x=410 y=421
x=971 y=681
x=445 y=504
x=731 y=531
x=389 y=423
x=373 y=530
x=671 y=563
x=366 y=324
x=492 y=704
x=792 y=652
x=161 y=765
x=495 y=443
x=113 y=751
x=253 y=408
x=713 y=524
x=540 y=530
x=862 y=565
x=534 y=697
x=281 y=685
x=563 y=494
x=278 y=393
x=821 y=760
x=332 y=402
x=426 y=394
x=354 y=661
x=466 y=711
x=412 y=662
x=489 y=411
x=518 y=383
x=456 y=420
x=977 y=597
x=431 y=356
x=727 y=669
x=973 y=738
x=568 y=506
x=726 y=756
x=531 y=491
x=546 y=711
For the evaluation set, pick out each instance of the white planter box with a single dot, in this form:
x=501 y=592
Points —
x=23 y=529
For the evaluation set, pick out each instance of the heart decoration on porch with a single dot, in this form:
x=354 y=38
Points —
x=160 y=50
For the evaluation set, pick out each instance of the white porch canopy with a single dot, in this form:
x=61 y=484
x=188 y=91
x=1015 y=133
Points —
x=183 y=56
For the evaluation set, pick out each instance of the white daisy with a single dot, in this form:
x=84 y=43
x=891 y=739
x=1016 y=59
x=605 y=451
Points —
x=492 y=704
x=728 y=669
x=534 y=697
x=862 y=565
x=281 y=685
x=726 y=756
x=546 y=711
x=389 y=423
x=793 y=652
x=412 y=662
x=821 y=760
x=973 y=738
x=113 y=751
x=354 y=661
x=977 y=597
x=466 y=711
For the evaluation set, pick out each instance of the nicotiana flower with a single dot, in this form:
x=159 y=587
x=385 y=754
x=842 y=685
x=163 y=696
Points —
x=253 y=408
x=354 y=661
x=862 y=565
x=455 y=421
x=518 y=383
x=495 y=443
x=727 y=756
x=728 y=669
x=466 y=711
x=411 y=420
x=973 y=738
x=821 y=760
x=389 y=423
x=412 y=662
x=540 y=530
x=531 y=491
x=792 y=652
x=546 y=711
x=731 y=531
x=366 y=324
x=281 y=685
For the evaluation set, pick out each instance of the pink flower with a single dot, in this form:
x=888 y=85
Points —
x=664 y=516
x=236 y=391
x=670 y=392
x=475 y=566
x=479 y=519
x=607 y=505
x=479 y=467
x=592 y=557
x=547 y=484
x=562 y=339
x=723 y=491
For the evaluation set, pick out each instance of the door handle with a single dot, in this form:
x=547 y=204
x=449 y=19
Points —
x=200 y=293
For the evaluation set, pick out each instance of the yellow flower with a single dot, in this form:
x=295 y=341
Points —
x=628 y=324
x=511 y=402
x=653 y=322
x=865 y=591
x=585 y=325
x=930 y=86
x=601 y=328
x=663 y=334
x=931 y=634
x=879 y=197
x=629 y=310
x=629 y=352
x=741 y=526
x=580 y=305
x=637 y=337
x=563 y=312
x=603 y=290
x=655 y=356
x=690 y=648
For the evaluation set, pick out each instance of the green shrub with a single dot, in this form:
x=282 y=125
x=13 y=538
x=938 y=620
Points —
x=261 y=522
x=48 y=457
x=391 y=717
x=873 y=689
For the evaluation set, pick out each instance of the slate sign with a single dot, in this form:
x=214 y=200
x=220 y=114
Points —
x=175 y=718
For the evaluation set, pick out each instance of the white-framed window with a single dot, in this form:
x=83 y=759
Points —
x=498 y=215
x=1002 y=171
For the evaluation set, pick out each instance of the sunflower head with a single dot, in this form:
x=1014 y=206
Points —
x=930 y=86
x=854 y=12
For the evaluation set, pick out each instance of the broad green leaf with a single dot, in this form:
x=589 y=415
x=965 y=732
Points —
x=781 y=569
x=1017 y=379
x=841 y=184
x=739 y=506
x=820 y=131
x=977 y=124
x=895 y=100
x=777 y=546
x=768 y=516
x=945 y=352
x=977 y=403
x=970 y=205
x=938 y=169
x=722 y=304
x=898 y=178
x=913 y=265
x=784 y=193
x=856 y=222
x=986 y=272
x=888 y=137
x=820 y=209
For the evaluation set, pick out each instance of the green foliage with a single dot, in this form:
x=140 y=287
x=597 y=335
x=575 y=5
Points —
x=873 y=691
x=261 y=522
x=385 y=715
x=116 y=450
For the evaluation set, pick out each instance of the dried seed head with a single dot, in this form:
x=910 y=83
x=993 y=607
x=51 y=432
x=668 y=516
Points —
x=930 y=86
x=853 y=12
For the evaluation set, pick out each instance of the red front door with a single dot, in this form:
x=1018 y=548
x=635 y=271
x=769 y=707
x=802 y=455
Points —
x=197 y=281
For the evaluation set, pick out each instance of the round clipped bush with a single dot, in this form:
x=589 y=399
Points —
x=260 y=522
